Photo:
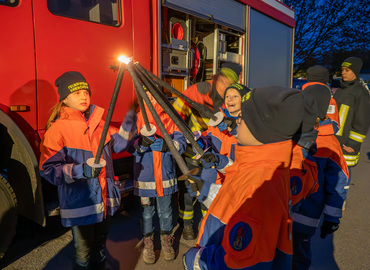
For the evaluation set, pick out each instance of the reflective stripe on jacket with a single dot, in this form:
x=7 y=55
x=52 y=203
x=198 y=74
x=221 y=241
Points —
x=154 y=172
x=66 y=146
x=248 y=225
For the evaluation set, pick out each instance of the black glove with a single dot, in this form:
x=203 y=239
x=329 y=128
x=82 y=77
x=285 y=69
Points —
x=147 y=141
x=209 y=160
x=328 y=227
x=230 y=122
x=90 y=172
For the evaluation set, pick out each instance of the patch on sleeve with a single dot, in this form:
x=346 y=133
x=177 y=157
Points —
x=331 y=109
x=295 y=185
x=240 y=236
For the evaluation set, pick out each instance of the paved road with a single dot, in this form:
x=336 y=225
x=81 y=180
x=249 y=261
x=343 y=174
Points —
x=51 y=248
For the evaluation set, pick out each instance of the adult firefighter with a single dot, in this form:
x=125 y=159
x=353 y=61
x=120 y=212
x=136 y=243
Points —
x=210 y=94
x=354 y=109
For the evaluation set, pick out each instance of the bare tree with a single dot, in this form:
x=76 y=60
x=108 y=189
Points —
x=325 y=26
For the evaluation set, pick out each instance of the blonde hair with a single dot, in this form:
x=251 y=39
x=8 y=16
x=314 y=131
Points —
x=55 y=113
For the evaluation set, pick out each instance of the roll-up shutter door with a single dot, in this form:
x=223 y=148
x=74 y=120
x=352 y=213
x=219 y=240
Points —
x=226 y=12
x=270 y=51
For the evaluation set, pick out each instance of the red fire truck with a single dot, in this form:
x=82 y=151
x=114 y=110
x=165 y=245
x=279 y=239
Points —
x=182 y=42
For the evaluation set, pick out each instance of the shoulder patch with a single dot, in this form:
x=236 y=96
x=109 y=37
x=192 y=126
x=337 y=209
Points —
x=240 y=236
x=204 y=87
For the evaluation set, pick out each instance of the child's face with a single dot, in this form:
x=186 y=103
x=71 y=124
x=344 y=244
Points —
x=347 y=74
x=78 y=100
x=233 y=102
x=245 y=137
x=151 y=98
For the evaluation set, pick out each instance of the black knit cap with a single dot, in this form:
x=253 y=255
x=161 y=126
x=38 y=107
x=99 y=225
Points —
x=322 y=96
x=231 y=71
x=273 y=113
x=242 y=89
x=318 y=73
x=354 y=64
x=70 y=82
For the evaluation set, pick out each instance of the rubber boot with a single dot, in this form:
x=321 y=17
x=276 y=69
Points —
x=148 y=252
x=166 y=241
x=188 y=232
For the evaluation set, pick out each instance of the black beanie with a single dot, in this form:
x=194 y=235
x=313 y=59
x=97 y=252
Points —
x=318 y=74
x=322 y=96
x=242 y=89
x=70 y=82
x=310 y=113
x=273 y=113
x=354 y=64
x=231 y=71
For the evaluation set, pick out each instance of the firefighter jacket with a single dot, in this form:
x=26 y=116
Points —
x=332 y=109
x=69 y=142
x=203 y=93
x=354 y=110
x=303 y=174
x=248 y=225
x=222 y=142
x=154 y=172
x=333 y=177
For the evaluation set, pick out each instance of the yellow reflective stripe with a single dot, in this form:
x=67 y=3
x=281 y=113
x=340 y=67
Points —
x=204 y=212
x=357 y=136
x=188 y=215
x=343 y=113
x=352 y=160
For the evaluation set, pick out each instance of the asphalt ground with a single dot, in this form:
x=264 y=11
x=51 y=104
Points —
x=51 y=248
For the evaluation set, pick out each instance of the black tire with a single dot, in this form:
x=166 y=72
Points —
x=8 y=215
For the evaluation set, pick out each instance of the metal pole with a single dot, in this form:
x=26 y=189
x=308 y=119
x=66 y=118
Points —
x=168 y=108
x=112 y=104
x=203 y=110
x=167 y=138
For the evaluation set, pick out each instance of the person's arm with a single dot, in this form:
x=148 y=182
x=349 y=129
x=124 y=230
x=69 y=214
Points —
x=334 y=191
x=360 y=124
x=53 y=164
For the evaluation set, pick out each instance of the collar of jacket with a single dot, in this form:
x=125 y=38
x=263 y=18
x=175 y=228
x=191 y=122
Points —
x=344 y=84
x=326 y=128
x=93 y=121
x=279 y=152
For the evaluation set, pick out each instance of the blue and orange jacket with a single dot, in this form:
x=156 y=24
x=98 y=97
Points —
x=303 y=174
x=248 y=225
x=333 y=177
x=69 y=142
x=154 y=172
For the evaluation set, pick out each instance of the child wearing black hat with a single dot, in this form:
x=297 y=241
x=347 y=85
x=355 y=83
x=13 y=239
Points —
x=333 y=175
x=318 y=77
x=87 y=195
x=248 y=223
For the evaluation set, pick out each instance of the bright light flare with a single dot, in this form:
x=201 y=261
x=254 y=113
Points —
x=124 y=59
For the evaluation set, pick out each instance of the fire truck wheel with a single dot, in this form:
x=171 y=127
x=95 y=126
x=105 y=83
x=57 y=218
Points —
x=8 y=215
